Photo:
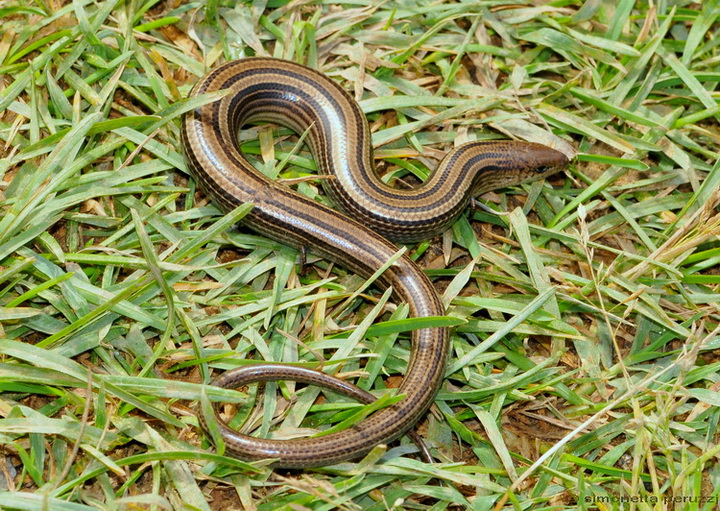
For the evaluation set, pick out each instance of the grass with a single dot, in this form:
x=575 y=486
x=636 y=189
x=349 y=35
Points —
x=584 y=366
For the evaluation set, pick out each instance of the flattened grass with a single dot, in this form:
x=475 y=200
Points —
x=584 y=315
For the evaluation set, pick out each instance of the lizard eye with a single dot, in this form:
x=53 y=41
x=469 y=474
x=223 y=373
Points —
x=542 y=169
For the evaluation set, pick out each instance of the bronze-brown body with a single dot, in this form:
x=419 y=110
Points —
x=300 y=98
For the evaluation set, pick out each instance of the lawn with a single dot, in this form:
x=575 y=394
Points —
x=585 y=308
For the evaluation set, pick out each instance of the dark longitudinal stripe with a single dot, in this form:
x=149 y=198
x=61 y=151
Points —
x=283 y=91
